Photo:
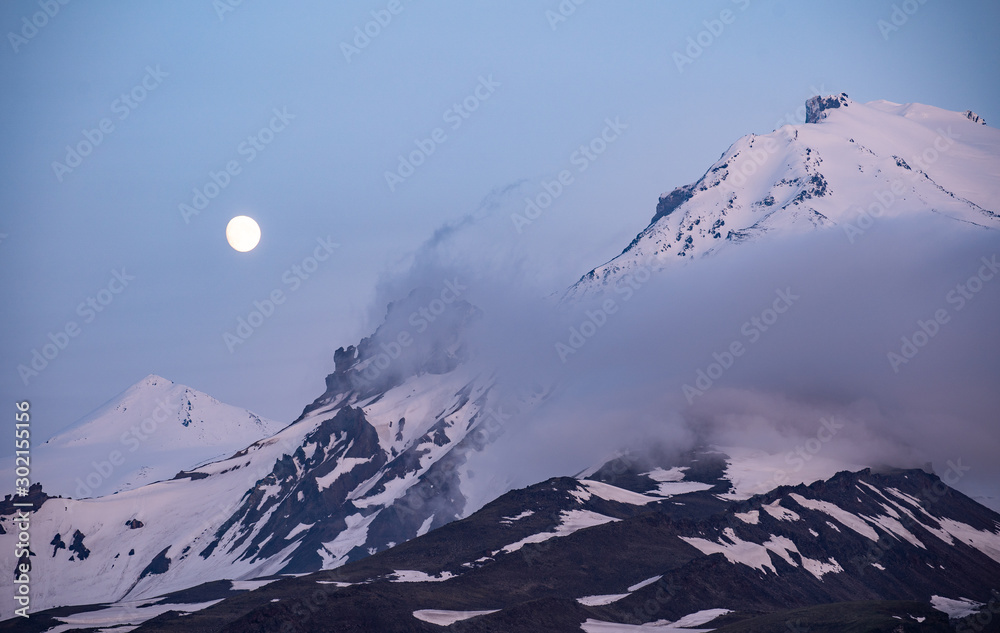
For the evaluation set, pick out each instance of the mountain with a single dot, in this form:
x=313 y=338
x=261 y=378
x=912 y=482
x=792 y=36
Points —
x=366 y=467
x=847 y=166
x=387 y=462
x=373 y=462
x=897 y=550
x=147 y=433
x=584 y=554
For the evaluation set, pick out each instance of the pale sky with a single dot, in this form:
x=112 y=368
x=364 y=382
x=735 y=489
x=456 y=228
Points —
x=289 y=113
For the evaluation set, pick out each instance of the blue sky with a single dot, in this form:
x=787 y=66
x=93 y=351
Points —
x=210 y=80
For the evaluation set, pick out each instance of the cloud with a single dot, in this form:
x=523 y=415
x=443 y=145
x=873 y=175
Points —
x=628 y=376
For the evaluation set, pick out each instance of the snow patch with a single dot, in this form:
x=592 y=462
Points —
x=894 y=527
x=752 y=517
x=674 y=474
x=412 y=575
x=334 y=553
x=518 y=517
x=614 y=493
x=669 y=489
x=442 y=617
x=758 y=556
x=250 y=585
x=818 y=568
x=644 y=583
x=571 y=521
x=959 y=608
x=425 y=526
x=671 y=482
x=596 y=601
x=298 y=529
x=842 y=516
x=983 y=540
x=124 y=614
x=701 y=617
x=344 y=466
x=660 y=626
x=780 y=513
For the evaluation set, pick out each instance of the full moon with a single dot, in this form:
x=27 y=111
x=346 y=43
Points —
x=243 y=233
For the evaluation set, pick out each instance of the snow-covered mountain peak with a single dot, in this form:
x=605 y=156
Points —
x=171 y=408
x=151 y=380
x=149 y=432
x=850 y=160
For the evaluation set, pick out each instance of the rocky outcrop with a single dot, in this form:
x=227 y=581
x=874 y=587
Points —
x=817 y=106
x=975 y=118
x=670 y=201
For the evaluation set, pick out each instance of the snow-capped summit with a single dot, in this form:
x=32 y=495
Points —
x=850 y=162
x=147 y=433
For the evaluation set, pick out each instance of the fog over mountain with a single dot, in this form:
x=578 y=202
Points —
x=837 y=352
x=827 y=356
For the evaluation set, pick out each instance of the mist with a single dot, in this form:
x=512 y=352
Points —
x=754 y=347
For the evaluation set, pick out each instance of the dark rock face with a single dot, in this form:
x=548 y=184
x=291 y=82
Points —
x=36 y=496
x=77 y=546
x=815 y=187
x=344 y=359
x=671 y=201
x=57 y=544
x=816 y=106
x=881 y=579
x=975 y=118
x=134 y=524
x=190 y=475
x=159 y=565
x=292 y=494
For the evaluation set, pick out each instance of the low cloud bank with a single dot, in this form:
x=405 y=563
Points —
x=894 y=337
